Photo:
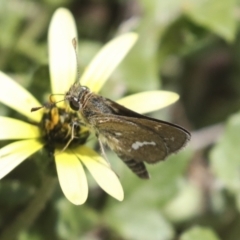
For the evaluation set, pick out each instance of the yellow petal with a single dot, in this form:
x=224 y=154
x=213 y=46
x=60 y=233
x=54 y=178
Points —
x=62 y=58
x=105 y=62
x=72 y=177
x=101 y=172
x=16 y=129
x=145 y=102
x=15 y=153
x=18 y=98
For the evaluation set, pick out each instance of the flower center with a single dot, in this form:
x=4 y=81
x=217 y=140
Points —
x=62 y=128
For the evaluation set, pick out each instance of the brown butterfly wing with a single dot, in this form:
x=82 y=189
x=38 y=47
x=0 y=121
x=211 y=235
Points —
x=137 y=140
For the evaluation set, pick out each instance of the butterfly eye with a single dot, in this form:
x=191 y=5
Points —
x=74 y=104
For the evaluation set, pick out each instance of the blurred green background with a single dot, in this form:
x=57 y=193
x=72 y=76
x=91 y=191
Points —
x=191 y=47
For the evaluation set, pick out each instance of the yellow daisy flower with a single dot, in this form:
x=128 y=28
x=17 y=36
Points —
x=62 y=58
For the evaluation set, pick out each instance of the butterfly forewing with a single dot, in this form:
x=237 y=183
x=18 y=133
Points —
x=173 y=135
x=144 y=139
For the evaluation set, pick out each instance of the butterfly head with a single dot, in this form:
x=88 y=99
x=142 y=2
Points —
x=76 y=96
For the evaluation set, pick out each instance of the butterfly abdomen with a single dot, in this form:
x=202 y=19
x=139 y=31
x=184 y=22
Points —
x=137 y=167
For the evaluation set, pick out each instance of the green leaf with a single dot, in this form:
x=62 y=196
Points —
x=29 y=236
x=199 y=233
x=140 y=69
x=141 y=224
x=74 y=221
x=190 y=196
x=162 y=12
x=217 y=16
x=139 y=215
x=162 y=185
x=225 y=156
x=13 y=193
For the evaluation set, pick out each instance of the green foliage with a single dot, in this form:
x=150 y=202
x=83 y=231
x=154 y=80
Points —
x=145 y=202
x=225 y=161
x=217 y=16
x=199 y=233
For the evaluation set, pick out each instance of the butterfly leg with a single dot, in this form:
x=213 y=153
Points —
x=71 y=138
x=103 y=151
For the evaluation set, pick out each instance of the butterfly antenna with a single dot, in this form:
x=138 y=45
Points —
x=74 y=43
x=48 y=105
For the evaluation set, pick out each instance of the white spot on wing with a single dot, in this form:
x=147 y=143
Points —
x=118 y=134
x=138 y=144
